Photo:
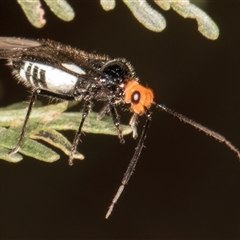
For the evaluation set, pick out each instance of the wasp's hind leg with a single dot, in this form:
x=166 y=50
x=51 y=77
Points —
x=36 y=92
x=29 y=110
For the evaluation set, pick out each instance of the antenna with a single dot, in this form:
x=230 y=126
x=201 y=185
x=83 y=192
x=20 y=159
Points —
x=200 y=127
x=131 y=166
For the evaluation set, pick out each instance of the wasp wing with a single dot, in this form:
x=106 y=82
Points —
x=85 y=66
x=16 y=43
x=14 y=47
x=50 y=52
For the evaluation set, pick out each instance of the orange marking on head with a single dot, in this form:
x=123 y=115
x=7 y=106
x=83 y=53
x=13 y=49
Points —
x=139 y=96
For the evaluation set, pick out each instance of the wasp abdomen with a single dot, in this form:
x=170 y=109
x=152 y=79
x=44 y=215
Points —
x=44 y=76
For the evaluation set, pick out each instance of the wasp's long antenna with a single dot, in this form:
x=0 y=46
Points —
x=200 y=127
x=131 y=166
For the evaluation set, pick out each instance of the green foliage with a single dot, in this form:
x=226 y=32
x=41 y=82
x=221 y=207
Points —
x=142 y=11
x=44 y=124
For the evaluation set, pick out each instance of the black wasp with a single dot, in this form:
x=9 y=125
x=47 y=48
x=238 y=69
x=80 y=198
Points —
x=57 y=71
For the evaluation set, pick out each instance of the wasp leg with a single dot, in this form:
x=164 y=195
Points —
x=37 y=92
x=116 y=120
x=103 y=112
x=133 y=123
x=86 y=109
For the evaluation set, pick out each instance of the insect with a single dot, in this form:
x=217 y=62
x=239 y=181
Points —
x=57 y=71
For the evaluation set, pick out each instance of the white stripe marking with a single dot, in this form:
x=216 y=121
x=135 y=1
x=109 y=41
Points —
x=57 y=80
x=73 y=68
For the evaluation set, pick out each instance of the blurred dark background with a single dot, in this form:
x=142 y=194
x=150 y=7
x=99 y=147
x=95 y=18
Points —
x=186 y=185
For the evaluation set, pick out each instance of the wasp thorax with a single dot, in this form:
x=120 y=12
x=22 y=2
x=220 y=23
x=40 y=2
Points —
x=117 y=70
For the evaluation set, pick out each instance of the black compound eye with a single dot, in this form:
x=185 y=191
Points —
x=135 y=98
